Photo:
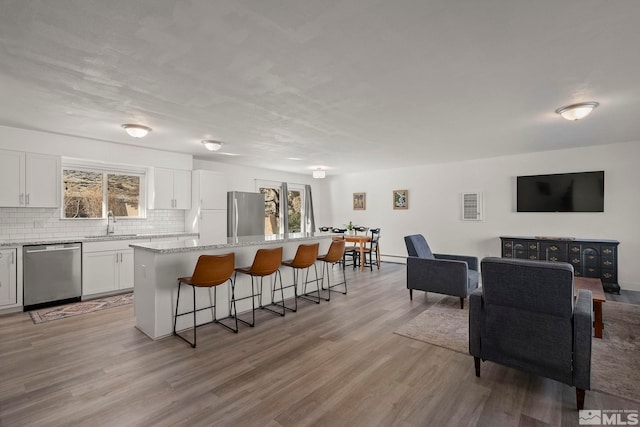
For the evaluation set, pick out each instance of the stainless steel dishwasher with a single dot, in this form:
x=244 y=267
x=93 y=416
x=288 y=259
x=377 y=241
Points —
x=51 y=274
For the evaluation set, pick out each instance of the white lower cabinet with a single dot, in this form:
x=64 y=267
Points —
x=8 y=284
x=107 y=267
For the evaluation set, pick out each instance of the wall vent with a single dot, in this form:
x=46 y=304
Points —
x=472 y=208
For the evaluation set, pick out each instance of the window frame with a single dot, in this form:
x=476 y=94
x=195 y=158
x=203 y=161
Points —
x=106 y=169
x=290 y=187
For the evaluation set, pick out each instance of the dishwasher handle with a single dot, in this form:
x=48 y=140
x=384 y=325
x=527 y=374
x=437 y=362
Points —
x=33 y=251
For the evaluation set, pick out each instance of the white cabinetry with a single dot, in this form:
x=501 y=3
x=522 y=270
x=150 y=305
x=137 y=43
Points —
x=8 y=284
x=171 y=189
x=107 y=266
x=29 y=180
x=208 y=216
x=209 y=189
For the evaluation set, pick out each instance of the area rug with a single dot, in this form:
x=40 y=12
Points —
x=77 y=308
x=615 y=365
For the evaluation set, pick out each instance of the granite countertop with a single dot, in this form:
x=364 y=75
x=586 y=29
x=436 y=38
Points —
x=88 y=239
x=231 y=242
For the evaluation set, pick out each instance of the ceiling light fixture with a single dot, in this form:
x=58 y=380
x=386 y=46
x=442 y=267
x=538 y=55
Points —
x=212 y=145
x=577 y=111
x=319 y=174
x=137 y=131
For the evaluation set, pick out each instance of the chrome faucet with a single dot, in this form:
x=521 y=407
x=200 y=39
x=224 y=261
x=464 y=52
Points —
x=111 y=223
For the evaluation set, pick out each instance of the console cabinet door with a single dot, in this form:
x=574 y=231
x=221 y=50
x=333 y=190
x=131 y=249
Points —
x=8 y=284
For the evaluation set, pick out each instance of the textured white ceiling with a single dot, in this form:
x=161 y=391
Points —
x=348 y=85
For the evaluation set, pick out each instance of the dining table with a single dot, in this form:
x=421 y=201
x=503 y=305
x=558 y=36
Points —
x=361 y=239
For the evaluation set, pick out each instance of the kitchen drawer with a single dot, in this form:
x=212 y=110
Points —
x=110 y=245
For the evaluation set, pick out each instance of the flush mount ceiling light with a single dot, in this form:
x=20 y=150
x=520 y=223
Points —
x=577 y=111
x=137 y=131
x=319 y=173
x=212 y=145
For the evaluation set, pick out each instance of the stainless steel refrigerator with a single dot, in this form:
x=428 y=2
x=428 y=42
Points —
x=245 y=214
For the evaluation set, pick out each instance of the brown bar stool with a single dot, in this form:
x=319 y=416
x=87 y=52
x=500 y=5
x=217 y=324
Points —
x=306 y=256
x=334 y=256
x=265 y=263
x=210 y=272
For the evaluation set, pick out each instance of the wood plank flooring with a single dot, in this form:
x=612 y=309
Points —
x=333 y=364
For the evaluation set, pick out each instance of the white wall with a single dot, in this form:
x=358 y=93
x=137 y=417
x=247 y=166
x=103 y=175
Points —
x=241 y=178
x=90 y=149
x=435 y=206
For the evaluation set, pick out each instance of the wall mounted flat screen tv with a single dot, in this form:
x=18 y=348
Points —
x=562 y=192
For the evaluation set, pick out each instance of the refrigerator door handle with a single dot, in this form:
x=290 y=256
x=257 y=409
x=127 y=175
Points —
x=235 y=225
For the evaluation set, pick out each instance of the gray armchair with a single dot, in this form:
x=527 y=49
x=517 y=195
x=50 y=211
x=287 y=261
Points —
x=455 y=275
x=524 y=317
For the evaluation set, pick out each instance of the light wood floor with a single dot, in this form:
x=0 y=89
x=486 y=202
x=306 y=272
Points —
x=334 y=364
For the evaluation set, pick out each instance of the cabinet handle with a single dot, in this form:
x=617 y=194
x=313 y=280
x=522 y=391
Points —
x=553 y=248
x=607 y=263
x=575 y=261
x=607 y=251
x=533 y=257
x=607 y=275
x=507 y=245
x=553 y=258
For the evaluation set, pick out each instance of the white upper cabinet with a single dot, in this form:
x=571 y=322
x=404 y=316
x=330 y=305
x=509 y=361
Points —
x=209 y=189
x=29 y=180
x=171 y=189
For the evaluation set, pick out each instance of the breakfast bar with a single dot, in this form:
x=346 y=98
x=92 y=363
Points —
x=157 y=267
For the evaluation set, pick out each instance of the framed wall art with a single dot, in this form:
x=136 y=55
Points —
x=359 y=201
x=400 y=199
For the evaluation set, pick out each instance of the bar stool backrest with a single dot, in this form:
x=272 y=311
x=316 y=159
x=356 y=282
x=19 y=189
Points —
x=306 y=256
x=213 y=270
x=266 y=262
x=336 y=251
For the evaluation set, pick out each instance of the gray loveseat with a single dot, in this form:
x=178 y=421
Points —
x=524 y=317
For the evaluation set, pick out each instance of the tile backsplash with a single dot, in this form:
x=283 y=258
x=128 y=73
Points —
x=43 y=223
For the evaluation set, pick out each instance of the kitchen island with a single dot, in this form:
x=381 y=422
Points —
x=157 y=267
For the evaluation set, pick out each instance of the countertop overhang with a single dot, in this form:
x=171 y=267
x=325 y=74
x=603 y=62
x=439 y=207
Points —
x=190 y=245
x=87 y=239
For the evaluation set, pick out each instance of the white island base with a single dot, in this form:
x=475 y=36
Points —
x=157 y=267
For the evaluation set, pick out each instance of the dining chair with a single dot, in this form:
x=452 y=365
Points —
x=371 y=250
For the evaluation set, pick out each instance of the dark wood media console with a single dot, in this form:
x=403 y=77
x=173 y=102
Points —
x=589 y=257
